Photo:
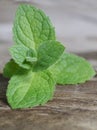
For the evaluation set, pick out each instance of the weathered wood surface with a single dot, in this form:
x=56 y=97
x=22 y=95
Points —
x=74 y=107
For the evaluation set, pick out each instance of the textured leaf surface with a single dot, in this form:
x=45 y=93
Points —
x=28 y=89
x=10 y=69
x=32 y=27
x=19 y=53
x=48 y=53
x=71 y=69
x=31 y=56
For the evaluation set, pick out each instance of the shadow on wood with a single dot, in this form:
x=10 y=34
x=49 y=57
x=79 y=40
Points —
x=3 y=88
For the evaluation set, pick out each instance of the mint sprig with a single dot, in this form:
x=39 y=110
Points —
x=38 y=61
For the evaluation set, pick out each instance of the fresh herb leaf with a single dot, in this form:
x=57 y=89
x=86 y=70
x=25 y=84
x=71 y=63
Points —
x=28 y=89
x=19 y=53
x=10 y=69
x=71 y=69
x=31 y=56
x=31 y=59
x=32 y=27
x=48 y=53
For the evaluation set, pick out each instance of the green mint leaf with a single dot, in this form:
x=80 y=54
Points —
x=48 y=53
x=31 y=56
x=19 y=54
x=10 y=69
x=71 y=69
x=31 y=53
x=28 y=89
x=32 y=27
x=31 y=59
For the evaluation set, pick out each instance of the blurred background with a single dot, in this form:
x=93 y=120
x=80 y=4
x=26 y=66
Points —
x=75 y=22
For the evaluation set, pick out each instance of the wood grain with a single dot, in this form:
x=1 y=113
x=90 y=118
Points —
x=73 y=107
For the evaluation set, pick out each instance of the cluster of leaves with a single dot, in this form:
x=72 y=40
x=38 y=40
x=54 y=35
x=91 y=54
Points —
x=38 y=61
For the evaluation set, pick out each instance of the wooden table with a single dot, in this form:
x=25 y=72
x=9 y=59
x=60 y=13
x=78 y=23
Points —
x=74 y=107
